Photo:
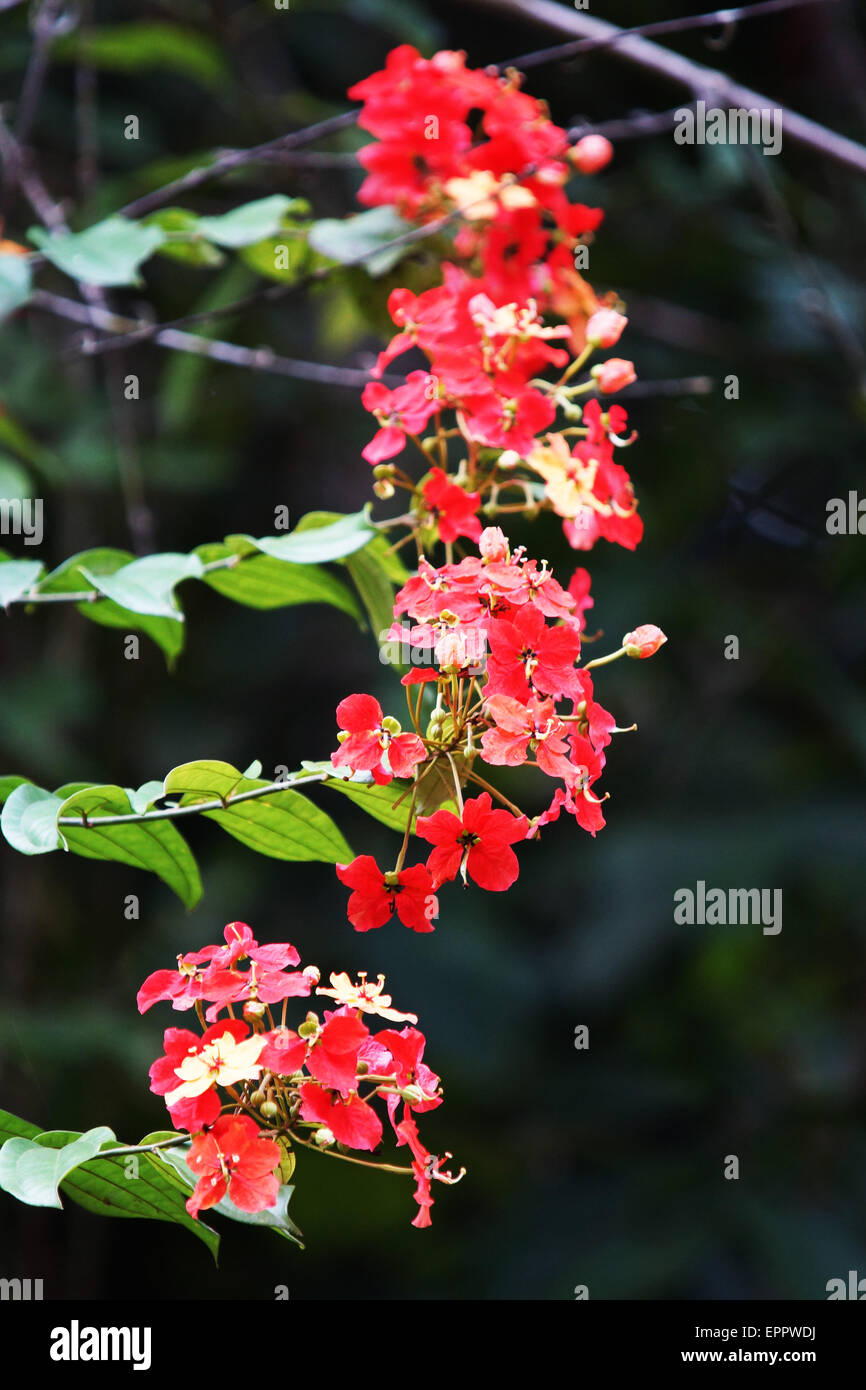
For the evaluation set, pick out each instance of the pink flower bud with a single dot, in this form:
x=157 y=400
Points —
x=644 y=641
x=605 y=328
x=592 y=153
x=493 y=544
x=614 y=374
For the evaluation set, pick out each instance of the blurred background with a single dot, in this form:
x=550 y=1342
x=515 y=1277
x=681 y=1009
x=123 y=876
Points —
x=601 y=1167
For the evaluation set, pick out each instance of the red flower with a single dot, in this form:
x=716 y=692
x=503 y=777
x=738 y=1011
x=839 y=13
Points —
x=234 y=1159
x=579 y=590
x=450 y=508
x=284 y=1052
x=333 y=1057
x=401 y=412
x=520 y=729
x=375 y=745
x=527 y=656
x=405 y=1051
x=376 y=896
x=194 y=1112
x=351 y=1121
x=478 y=843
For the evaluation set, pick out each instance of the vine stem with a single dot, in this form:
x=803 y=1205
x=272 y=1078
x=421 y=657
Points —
x=228 y=562
x=172 y=1143
x=348 y=1158
x=172 y=812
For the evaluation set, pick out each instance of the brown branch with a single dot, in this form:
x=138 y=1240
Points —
x=727 y=18
x=257 y=359
x=700 y=80
x=228 y=160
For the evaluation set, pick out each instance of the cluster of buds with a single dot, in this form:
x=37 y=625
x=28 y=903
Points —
x=250 y=1090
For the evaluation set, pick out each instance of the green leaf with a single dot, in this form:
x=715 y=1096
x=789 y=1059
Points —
x=281 y=824
x=377 y=801
x=70 y=577
x=263 y=582
x=267 y=257
x=33 y=1172
x=141 y=45
x=249 y=223
x=29 y=819
x=16 y=279
x=375 y=588
x=183 y=239
x=108 y=253
x=109 y=1187
x=309 y=545
x=8 y=784
x=147 y=585
x=15 y=481
x=82 y=572
x=276 y=1218
x=167 y=633
x=356 y=240
x=16 y=577
x=153 y=845
x=142 y=799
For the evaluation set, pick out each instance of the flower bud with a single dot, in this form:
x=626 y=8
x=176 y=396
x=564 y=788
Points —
x=312 y=972
x=644 y=641
x=614 y=374
x=508 y=459
x=591 y=153
x=323 y=1137
x=258 y=1098
x=253 y=1010
x=383 y=489
x=413 y=1095
x=605 y=328
x=383 y=472
x=270 y=1110
x=493 y=544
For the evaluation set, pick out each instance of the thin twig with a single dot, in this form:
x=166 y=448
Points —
x=710 y=20
x=228 y=160
x=698 y=78
x=174 y=812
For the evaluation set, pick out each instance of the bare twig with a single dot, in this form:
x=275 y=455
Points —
x=228 y=160
x=712 y=20
x=699 y=80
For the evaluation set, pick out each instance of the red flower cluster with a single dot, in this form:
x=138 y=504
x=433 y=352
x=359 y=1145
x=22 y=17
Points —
x=502 y=641
x=507 y=177
x=312 y=1087
x=500 y=414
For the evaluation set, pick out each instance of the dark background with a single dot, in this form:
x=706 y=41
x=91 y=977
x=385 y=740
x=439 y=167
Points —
x=605 y=1167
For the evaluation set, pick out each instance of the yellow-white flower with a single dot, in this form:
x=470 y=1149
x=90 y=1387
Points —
x=221 y=1062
